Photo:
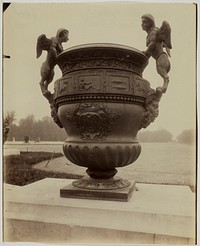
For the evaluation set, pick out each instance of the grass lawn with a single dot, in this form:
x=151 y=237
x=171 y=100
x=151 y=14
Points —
x=18 y=169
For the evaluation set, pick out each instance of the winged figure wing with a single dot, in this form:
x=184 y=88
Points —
x=164 y=35
x=43 y=43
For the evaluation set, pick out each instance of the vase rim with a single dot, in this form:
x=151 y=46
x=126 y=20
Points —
x=103 y=45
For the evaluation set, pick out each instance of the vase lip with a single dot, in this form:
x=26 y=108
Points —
x=104 y=46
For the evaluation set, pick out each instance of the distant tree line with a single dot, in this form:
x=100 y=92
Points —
x=46 y=130
x=186 y=136
x=155 y=136
x=36 y=130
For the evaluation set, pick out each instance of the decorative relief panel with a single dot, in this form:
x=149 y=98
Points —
x=141 y=86
x=118 y=84
x=56 y=88
x=66 y=85
x=89 y=83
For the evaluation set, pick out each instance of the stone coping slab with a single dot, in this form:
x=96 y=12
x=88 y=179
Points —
x=9 y=151
x=157 y=209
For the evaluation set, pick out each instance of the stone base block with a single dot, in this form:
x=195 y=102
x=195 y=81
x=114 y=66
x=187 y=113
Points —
x=123 y=194
x=162 y=214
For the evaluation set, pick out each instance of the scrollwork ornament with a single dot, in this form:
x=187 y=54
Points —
x=151 y=107
x=54 y=114
x=93 y=121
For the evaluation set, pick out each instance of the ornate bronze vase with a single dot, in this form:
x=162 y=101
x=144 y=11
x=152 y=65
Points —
x=102 y=101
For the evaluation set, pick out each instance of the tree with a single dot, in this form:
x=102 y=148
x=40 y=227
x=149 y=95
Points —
x=187 y=137
x=8 y=120
x=26 y=127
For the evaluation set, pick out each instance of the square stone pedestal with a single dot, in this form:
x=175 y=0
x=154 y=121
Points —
x=162 y=214
x=122 y=195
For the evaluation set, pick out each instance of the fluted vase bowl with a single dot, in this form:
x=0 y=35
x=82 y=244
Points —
x=100 y=101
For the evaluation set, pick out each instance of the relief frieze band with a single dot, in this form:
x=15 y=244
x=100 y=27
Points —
x=114 y=98
x=102 y=85
x=72 y=66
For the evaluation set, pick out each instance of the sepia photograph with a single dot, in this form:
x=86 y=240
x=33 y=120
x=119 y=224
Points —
x=99 y=123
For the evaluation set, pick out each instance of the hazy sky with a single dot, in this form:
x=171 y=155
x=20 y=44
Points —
x=118 y=23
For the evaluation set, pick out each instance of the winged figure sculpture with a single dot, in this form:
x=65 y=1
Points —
x=54 y=47
x=158 y=44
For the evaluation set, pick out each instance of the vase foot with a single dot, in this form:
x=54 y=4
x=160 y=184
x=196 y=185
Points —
x=101 y=184
x=114 y=189
x=101 y=174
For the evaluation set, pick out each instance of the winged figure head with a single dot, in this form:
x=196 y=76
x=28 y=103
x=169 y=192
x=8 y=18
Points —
x=147 y=22
x=62 y=35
